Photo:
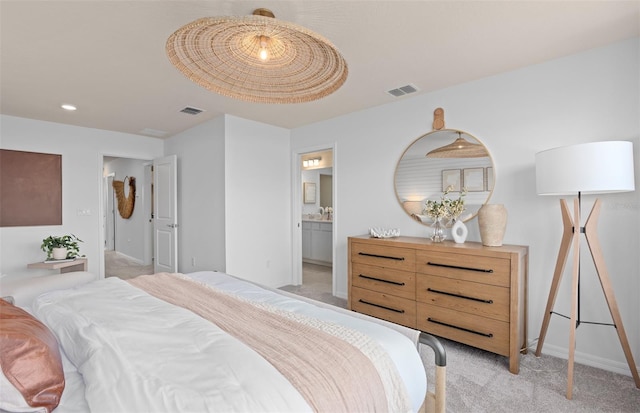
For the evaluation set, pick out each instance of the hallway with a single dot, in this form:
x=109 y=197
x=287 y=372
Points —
x=121 y=266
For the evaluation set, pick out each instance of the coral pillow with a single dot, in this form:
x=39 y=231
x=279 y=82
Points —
x=30 y=358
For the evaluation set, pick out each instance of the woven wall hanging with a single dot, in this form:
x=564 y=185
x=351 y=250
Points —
x=125 y=205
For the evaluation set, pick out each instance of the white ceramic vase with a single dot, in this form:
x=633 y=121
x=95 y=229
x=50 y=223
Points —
x=459 y=232
x=492 y=220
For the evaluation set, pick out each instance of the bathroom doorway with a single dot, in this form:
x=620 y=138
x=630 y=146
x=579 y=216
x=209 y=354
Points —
x=317 y=208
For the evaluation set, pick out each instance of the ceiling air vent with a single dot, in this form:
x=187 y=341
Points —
x=401 y=91
x=191 y=111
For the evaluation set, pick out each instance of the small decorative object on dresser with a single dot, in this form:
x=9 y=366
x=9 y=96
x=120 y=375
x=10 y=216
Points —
x=377 y=232
x=492 y=220
x=459 y=232
x=468 y=292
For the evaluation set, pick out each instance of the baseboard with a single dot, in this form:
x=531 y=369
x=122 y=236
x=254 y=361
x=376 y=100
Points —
x=317 y=262
x=586 y=359
x=135 y=260
x=342 y=295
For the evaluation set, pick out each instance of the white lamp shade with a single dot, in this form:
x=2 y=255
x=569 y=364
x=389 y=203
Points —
x=588 y=168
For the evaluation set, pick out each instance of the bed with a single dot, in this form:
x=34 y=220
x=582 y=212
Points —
x=207 y=341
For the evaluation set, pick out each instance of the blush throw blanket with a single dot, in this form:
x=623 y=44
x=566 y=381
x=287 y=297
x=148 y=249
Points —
x=317 y=357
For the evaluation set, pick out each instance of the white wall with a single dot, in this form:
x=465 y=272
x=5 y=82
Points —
x=234 y=197
x=258 y=202
x=82 y=150
x=201 y=196
x=586 y=97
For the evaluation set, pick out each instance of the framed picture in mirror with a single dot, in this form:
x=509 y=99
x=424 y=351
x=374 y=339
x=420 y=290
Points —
x=489 y=179
x=451 y=177
x=473 y=179
x=309 y=192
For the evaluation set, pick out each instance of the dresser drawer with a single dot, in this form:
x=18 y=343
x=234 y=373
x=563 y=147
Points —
x=481 y=299
x=476 y=268
x=384 y=256
x=384 y=280
x=474 y=330
x=387 y=307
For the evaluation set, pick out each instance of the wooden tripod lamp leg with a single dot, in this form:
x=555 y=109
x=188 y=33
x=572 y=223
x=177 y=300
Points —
x=575 y=241
x=570 y=238
x=591 y=234
x=563 y=253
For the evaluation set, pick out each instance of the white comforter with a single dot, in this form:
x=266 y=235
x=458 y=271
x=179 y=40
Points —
x=115 y=335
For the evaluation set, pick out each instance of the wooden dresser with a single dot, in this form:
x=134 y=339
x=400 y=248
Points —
x=467 y=292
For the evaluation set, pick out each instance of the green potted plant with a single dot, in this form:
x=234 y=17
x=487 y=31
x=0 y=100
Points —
x=62 y=247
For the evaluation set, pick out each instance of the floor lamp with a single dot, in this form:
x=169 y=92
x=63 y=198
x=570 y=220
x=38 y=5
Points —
x=590 y=168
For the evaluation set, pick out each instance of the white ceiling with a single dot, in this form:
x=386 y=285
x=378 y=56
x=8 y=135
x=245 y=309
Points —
x=108 y=57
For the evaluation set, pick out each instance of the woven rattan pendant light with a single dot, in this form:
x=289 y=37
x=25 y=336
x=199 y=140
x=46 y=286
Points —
x=257 y=58
x=460 y=148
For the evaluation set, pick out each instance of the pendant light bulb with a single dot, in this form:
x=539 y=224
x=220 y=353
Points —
x=264 y=53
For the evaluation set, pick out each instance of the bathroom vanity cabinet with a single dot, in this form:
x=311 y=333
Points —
x=317 y=242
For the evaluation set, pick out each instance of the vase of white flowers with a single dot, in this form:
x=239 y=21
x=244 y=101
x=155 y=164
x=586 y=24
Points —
x=445 y=209
x=439 y=231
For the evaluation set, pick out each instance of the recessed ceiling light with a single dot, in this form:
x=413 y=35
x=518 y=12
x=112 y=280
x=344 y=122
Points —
x=66 y=106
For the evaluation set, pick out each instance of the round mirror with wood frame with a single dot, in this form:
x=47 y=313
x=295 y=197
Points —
x=419 y=178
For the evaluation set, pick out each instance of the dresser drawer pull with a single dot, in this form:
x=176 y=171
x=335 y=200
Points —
x=381 y=306
x=381 y=256
x=380 y=279
x=457 y=267
x=460 y=296
x=460 y=328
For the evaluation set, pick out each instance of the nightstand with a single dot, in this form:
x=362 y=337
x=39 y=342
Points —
x=78 y=264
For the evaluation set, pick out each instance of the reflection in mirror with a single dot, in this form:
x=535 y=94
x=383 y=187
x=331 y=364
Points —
x=419 y=178
x=322 y=178
x=326 y=189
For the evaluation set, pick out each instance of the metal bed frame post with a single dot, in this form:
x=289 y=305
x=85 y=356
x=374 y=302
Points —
x=436 y=402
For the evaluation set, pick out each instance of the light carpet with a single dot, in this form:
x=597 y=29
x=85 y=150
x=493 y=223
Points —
x=480 y=382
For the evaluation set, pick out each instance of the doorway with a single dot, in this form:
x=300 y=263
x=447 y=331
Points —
x=128 y=242
x=315 y=170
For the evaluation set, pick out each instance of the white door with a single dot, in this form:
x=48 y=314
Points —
x=165 y=214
